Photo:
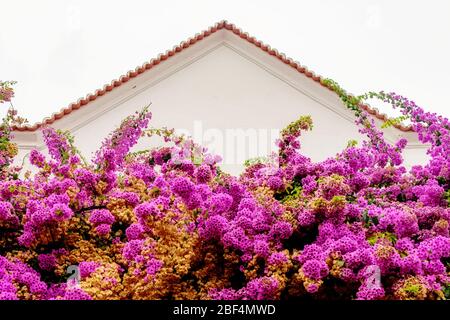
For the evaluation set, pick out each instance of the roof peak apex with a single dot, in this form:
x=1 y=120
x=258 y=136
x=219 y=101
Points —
x=221 y=25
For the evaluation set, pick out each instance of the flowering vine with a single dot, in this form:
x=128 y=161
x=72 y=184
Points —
x=167 y=223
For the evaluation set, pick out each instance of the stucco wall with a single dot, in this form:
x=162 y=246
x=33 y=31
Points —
x=228 y=92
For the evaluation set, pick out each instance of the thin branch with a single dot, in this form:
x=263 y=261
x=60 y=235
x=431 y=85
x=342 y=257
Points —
x=89 y=208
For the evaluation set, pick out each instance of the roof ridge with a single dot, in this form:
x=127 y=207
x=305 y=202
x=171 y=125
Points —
x=223 y=24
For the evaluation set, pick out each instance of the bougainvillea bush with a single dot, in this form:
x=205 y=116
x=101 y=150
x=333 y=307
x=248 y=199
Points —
x=167 y=223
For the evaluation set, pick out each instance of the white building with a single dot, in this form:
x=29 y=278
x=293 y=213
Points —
x=219 y=85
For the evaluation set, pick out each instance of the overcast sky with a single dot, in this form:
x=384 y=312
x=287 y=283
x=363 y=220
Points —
x=59 y=51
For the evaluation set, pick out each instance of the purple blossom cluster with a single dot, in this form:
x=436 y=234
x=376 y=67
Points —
x=15 y=276
x=102 y=220
x=44 y=217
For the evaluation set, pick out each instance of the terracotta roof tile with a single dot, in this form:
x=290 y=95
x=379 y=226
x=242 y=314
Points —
x=170 y=53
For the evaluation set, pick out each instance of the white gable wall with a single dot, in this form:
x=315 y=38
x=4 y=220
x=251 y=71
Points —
x=222 y=84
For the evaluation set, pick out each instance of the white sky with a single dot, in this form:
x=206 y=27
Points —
x=59 y=51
